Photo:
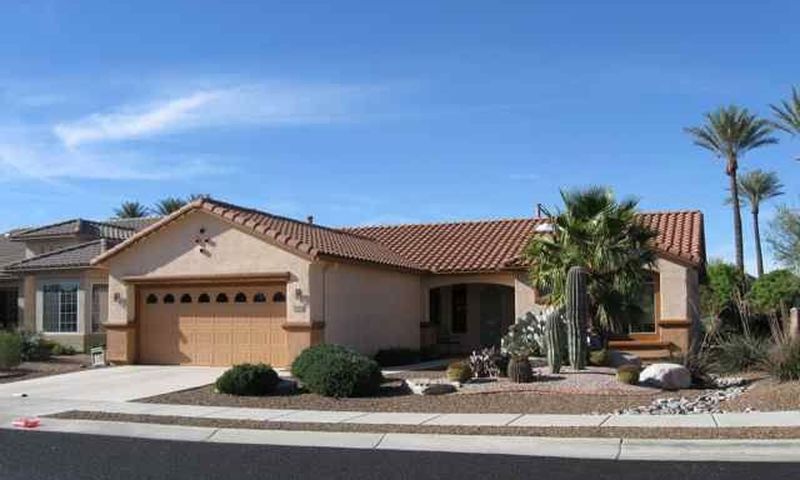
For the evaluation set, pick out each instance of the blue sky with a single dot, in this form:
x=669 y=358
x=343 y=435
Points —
x=382 y=112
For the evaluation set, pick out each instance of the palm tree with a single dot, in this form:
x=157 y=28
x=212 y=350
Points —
x=603 y=235
x=787 y=114
x=169 y=205
x=757 y=186
x=729 y=133
x=131 y=210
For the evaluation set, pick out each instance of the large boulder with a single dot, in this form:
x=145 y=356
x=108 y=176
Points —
x=667 y=376
x=617 y=359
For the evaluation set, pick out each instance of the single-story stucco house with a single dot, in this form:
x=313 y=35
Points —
x=217 y=284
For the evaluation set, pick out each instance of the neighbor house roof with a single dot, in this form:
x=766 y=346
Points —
x=454 y=247
x=488 y=245
x=75 y=256
x=10 y=252
x=304 y=238
x=76 y=227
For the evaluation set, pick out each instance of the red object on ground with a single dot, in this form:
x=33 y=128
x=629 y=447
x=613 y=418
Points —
x=27 y=422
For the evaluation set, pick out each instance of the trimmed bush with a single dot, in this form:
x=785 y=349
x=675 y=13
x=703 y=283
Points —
x=459 y=372
x=628 y=374
x=392 y=357
x=738 y=353
x=336 y=371
x=10 y=350
x=248 y=380
x=599 y=358
x=59 y=349
x=35 y=348
x=314 y=355
x=783 y=361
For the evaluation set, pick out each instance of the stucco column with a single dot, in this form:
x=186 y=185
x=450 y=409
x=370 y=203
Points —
x=794 y=323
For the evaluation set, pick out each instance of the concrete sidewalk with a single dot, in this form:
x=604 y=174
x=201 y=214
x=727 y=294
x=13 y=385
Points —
x=44 y=406
x=591 y=448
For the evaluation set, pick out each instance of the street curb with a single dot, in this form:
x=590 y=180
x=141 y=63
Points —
x=616 y=449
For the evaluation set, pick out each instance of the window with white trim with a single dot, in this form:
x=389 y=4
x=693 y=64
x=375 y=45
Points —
x=60 y=307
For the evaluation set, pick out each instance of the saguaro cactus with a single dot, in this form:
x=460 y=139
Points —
x=577 y=316
x=554 y=333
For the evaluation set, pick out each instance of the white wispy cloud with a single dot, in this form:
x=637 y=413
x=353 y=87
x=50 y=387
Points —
x=252 y=104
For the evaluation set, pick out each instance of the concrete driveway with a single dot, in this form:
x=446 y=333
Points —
x=113 y=384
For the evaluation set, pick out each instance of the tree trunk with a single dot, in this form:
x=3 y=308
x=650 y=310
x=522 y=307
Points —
x=737 y=221
x=757 y=234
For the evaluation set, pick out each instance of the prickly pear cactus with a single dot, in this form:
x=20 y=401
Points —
x=577 y=304
x=554 y=333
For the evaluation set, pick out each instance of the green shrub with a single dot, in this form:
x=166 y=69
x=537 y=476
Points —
x=59 y=349
x=783 y=361
x=598 y=358
x=336 y=371
x=738 y=353
x=459 y=372
x=628 y=374
x=314 y=355
x=35 y=348
x=10 y=350
x=392 y=357
x=775 y=292
x=248 y=380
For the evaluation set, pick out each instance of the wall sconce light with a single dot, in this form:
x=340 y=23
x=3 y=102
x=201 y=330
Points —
x=117 y=297
x=298 y=293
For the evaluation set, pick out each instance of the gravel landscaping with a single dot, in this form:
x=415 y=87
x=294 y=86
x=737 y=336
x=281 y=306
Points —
x=767 y=394
x=56 y=366
x=615 y=432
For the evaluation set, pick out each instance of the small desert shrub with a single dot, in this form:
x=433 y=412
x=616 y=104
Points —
x=315 y=355
x=336 y=371
x=783 y=361
x=485 y=363
x=248 y=380
x=459 y=372
x=10 y=350
x=59 y=349
x=35 y=348
x=392 y=357
x=738 y=353
x=628 y=374
x=598 y=358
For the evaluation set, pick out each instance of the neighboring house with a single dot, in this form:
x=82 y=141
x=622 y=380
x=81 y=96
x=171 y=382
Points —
x=217 y=284
x=46 y=274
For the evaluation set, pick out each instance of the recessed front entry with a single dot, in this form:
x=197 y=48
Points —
x=213 y=325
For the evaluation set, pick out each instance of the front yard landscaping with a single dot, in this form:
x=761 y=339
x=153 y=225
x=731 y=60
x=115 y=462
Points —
x=54 y=366
x=25 y=356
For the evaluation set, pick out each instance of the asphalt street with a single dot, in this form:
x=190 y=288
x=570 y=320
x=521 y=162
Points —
x=34 y=455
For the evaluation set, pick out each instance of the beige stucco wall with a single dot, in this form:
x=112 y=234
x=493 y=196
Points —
x=367 y=308
x=679 y=290
x=172 y=252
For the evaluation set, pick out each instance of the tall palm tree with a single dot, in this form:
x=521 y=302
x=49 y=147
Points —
x=597 y=232
x=757 y=186
x=131 y=210
x=787 y=114
x=730 y=132
x=168 y=205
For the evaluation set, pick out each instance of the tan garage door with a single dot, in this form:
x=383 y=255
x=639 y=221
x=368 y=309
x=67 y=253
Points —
x=204 y=325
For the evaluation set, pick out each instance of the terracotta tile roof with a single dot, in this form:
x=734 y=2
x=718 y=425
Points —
x=305 y=238
x=76 y=227
x=456 y=247
x=76 y=256
x=489 y=245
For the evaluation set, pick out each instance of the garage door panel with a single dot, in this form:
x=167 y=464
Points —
x=214 y=333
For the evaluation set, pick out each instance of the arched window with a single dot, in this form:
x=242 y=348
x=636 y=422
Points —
x=203 y=298
x=279 y=297
x=222 y=298
x=259 y=298
x=186 y=298
x=169 y=298
x=152 y=298
x=240 y=298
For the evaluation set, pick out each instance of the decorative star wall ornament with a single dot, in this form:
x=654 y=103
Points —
x=202 y=240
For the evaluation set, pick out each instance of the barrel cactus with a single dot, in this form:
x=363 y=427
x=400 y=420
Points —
x=520 y=370
x=554 y=332
x=577 y=315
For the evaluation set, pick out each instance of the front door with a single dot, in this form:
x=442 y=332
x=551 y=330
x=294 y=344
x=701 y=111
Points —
x=491 y=315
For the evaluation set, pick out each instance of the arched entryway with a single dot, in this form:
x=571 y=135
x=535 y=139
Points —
x=467 y=316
